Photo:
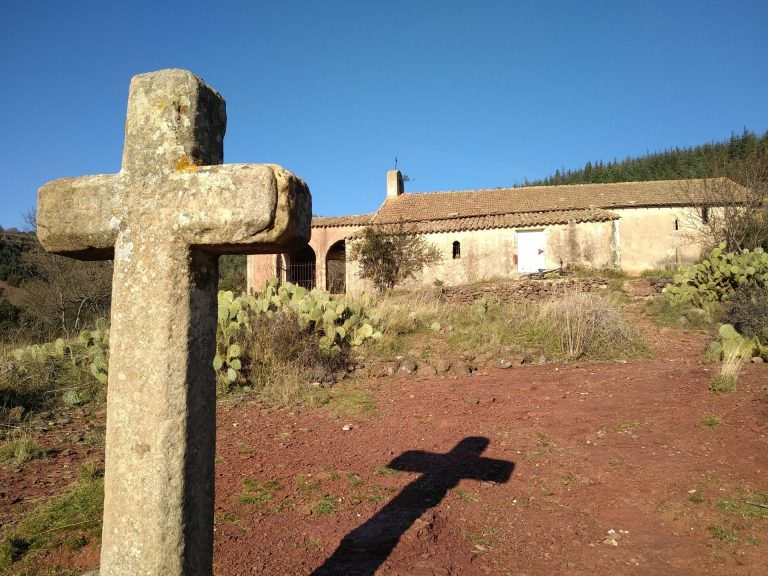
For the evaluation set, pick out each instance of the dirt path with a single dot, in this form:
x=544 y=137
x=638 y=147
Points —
x=592 y=447
x=518 y=471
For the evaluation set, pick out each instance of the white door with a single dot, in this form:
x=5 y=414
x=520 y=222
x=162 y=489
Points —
x=530 y=251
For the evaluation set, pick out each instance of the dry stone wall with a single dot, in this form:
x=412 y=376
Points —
x=522 y=290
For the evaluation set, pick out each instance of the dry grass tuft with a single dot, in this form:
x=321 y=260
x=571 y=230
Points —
x=586 y=323
x=733 y=360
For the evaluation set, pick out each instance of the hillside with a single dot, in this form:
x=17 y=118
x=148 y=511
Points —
x=12 y=245
x=678 y=163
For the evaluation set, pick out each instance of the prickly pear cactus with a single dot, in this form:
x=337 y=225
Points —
x=717 y=277
x=89 y=350
x=337 y=322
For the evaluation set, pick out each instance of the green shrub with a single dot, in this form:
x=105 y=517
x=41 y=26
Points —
x=717 y=277
x=747 y=311
x=682 y=315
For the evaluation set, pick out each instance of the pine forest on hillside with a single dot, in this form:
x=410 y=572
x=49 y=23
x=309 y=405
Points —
x=701 y=161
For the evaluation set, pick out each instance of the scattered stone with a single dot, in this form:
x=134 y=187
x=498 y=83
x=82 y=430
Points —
x=442 y=365
x=346 y=427
x=503 y=363
x=408 y=366
x=460 y=369
x=612 y=539
x=16 y=413
x=382 y=369
x=426 y=371
x=757 y=360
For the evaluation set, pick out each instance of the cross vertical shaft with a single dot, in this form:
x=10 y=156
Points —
x=160 y=412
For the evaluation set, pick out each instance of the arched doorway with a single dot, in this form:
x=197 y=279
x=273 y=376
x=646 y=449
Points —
x=336 y=268
x=301 y=268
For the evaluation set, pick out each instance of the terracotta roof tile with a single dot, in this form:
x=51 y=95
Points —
x=336 y=221
x=520 y=220
x=418 y=207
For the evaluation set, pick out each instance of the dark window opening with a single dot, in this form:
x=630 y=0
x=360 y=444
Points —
x=336 y=268
x=301 y=268
x=677 y=224
x=456 y=250
x=705 y=214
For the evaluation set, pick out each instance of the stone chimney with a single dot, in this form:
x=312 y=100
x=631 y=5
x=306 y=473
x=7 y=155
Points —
x=394 y=184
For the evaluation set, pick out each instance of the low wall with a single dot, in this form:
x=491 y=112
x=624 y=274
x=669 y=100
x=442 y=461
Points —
x=521 y=290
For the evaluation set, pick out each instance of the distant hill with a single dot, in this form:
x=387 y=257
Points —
x=13 y=244
x=674 y=164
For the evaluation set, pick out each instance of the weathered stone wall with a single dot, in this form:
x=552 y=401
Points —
x=522 y=290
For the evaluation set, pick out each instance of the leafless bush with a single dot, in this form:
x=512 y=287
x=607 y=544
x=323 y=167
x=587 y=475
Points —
x=66 y=294
x=730 y=206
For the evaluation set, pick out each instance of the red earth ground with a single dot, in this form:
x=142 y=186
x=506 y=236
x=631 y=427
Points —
x=508 y=472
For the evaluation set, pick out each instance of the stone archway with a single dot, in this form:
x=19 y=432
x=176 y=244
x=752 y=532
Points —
x=300 y=269
x=336 y=268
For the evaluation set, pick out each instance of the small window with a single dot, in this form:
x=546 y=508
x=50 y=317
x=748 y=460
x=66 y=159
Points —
x=677 y=224
x=456 y=250
x=705 y=214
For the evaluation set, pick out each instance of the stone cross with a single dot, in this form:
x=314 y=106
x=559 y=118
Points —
x=365 y=549
x=165 y=218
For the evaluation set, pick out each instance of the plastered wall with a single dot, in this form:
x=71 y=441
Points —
x=648 y=238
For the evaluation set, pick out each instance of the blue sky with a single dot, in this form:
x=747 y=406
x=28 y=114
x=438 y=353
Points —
x=465 y=94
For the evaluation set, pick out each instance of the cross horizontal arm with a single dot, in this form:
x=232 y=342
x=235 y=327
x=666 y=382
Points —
x=242 y=208
x=469 y=466
x=74 y=216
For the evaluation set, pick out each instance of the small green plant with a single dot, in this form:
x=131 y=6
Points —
x=723 y=534
x=306 y=485
x=469 y=497
x=747 y=504
x=20 y=448
x=696 y=497
x=258 y=493
x=385 y=471
x=354 y=479
x=711 y=421
x=327 y=505
x=74 y=517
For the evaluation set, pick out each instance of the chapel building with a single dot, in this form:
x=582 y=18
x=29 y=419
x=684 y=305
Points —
x=506 y=233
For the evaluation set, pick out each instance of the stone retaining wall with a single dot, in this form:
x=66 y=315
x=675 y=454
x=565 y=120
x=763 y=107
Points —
x=522 y=290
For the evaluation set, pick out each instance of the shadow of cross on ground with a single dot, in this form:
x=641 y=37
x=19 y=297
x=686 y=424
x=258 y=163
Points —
x=365 y=549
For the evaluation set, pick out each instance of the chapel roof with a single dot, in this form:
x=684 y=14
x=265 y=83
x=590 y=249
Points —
x=452 y=211
x=339 y=221
x=512 y=220
x=420 y=207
